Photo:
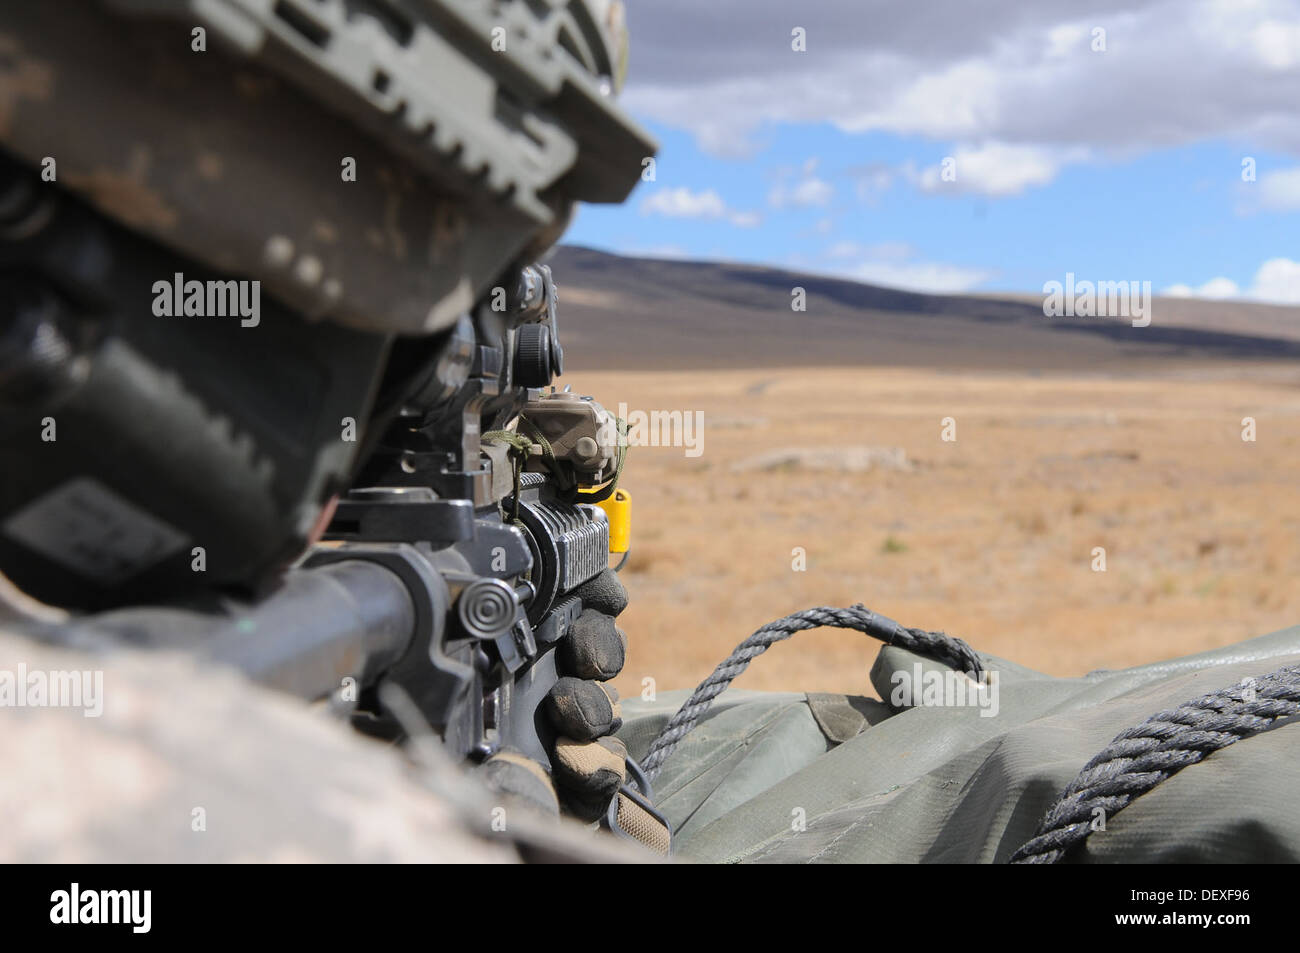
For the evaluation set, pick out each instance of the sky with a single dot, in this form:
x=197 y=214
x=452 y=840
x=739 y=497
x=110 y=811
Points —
x=970 y=145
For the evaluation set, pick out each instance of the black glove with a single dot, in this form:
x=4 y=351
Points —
x=587 y=764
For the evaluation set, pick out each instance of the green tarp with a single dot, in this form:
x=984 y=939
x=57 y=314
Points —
x=792 y=777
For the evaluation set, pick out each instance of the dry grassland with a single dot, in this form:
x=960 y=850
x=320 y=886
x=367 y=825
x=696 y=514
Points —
x=989 y=537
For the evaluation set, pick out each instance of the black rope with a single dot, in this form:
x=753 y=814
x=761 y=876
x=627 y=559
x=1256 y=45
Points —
x=1140 y=758
x=945 y=648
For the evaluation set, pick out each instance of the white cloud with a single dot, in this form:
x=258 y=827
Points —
x=1280 y=190
x=844 y=249
x=1216 y=288
x=669 y=251
x=894 y=265
x=1277 y=281
x=956 y=101
x=994 y=169
x=1219 y=288
x=812 y=192
x=999 y=71
x=886 y=251
x=1277 y=44
x=681 y=202
x=808 y=192
x=928 y=276
x=1065 y=39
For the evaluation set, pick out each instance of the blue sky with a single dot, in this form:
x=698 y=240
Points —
x=1124 y=162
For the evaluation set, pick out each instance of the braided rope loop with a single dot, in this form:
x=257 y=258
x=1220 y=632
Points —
x=936 y=645
x=1140 y=758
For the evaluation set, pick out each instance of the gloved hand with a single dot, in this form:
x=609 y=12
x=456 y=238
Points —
x=587 y=762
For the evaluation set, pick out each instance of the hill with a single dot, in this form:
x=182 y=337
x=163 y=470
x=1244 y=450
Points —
x=659 y=314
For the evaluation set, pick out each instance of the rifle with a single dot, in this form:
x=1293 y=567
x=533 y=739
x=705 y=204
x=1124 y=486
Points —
x=455 y=566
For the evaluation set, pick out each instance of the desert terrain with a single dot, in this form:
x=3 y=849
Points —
x=827 y=480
